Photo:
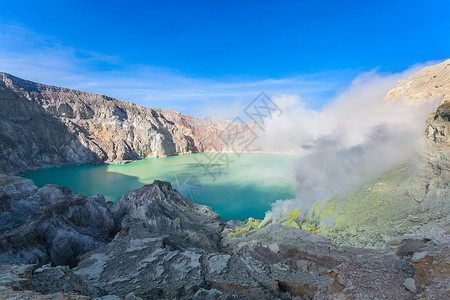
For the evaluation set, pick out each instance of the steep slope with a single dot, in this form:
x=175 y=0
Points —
x=413 y=198
x=43 y=125
x=430 y=82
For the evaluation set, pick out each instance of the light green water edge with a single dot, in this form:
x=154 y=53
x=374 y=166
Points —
x=241 y=188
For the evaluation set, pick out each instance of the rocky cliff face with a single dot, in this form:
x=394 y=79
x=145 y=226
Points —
x=43 y=125
x=431 y=82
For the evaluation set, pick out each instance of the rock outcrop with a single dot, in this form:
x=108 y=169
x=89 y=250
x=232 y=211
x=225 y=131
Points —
x=50 y=224
x=170 y=248
x=42 y=125
x=430 y=82
x=167 y=213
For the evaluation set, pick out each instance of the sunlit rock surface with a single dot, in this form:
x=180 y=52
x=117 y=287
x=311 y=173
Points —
x=430 y=82
x=42 y=125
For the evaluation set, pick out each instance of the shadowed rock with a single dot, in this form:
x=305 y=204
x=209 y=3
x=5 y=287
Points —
x=51 y=224
x=167 y=213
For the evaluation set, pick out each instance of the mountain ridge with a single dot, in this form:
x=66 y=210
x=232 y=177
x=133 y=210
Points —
x=77 y=127
x=156 y=244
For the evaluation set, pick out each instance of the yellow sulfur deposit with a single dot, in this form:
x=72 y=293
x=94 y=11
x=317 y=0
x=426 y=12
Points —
x=293 y=219
x=249 y=225
x=311 y=224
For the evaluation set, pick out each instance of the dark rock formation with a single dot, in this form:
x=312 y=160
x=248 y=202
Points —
x=167 y=213
x=43 y=125
x=14 y=206
x=50 y=224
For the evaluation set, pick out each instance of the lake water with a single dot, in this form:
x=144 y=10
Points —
x=236 y=188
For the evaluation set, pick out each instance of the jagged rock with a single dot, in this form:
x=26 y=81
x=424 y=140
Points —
x=15 y=207
x=370 y=275
x=14 y=185
x=438 y=130
x=43 y=125
x=170 y=248
x=16 y=282
x=61 y=279
x=52 y=224
x=317 y=268
x=15 y=277
x=161 y=249
x=167 y=213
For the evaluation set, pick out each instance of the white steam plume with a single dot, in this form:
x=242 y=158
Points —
x=350 y=141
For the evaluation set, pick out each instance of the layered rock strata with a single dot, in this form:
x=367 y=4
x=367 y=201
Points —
x=42 y=125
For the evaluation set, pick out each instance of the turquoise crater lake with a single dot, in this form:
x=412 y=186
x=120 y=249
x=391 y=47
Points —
x=242 y=188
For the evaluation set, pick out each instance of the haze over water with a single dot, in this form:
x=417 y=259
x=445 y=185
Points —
x=244 y=189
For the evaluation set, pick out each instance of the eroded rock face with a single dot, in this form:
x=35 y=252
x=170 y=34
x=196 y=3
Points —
x=158 y=267
x=438 y=129
x=43 y=125
x=51 y=224
x=430 y=82
x=167 y=213
x=18 y=282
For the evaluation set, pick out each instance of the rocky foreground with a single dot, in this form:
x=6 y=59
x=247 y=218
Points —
x=42 y=125
x=390 y=239
x=155 y=244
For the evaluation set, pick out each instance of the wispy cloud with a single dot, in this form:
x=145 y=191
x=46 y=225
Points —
x=41 y=58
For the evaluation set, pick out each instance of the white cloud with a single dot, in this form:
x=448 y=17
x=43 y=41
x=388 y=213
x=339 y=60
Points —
x=41 y=58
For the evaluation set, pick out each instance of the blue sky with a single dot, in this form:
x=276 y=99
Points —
x=202 y=57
